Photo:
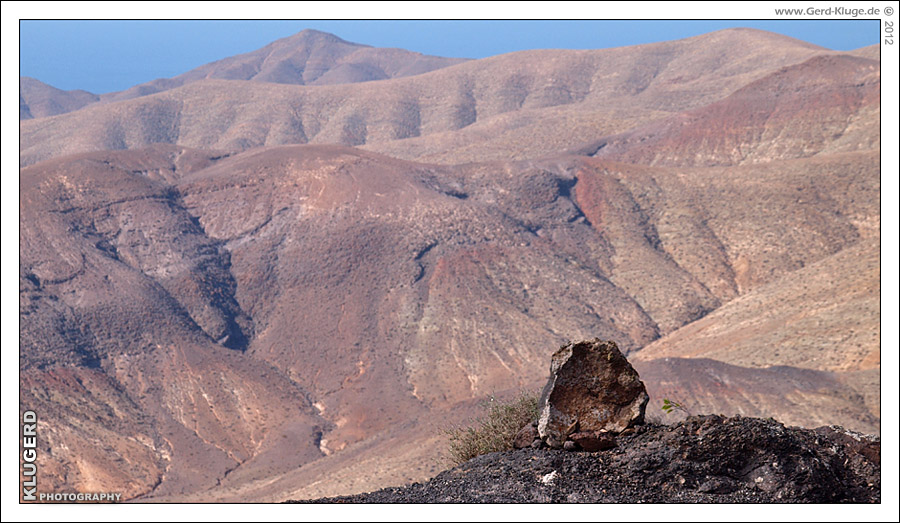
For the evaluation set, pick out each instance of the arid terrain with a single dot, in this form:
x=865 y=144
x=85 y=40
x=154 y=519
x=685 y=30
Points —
x=281 y=275
x=704 y=459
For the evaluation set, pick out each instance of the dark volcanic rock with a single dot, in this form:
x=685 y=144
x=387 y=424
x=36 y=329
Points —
x=594 y=441
x=704 y=459
x=592 y=388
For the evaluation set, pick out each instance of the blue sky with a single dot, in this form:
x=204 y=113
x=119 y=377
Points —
x=105 y=55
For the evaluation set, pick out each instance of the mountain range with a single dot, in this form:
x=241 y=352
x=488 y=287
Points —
x=268 y=277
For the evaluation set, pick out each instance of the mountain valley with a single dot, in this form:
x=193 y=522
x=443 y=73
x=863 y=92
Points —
x=281 y=275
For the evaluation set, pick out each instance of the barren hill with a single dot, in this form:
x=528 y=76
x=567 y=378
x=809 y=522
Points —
x=37 y=99
x=309 y=57
x=873 y=52
x=122 y=300
x=530 y=103
x=747 y=329
x=795 y=321
x=414 y=272
x=825 y=104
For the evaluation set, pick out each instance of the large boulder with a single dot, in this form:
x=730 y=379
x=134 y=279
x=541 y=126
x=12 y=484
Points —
x=592 y=389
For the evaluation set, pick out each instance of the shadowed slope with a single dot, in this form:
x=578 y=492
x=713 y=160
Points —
x=794 y=395
x=794 y=320
x=412 y=279
x=122 y=300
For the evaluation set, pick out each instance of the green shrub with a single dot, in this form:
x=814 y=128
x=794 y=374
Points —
x=495 y=431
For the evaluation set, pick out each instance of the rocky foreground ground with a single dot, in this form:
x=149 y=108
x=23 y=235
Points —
x=704 y=459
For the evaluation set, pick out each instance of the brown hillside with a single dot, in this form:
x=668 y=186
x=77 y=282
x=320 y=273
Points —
x=793 y=320
x=826 y=104
x=801 y=397
x=610 y=90
x=872 y=52
x=796 y=321
x=378 y=287
x=309 y=57
x=37 y=99
x=121 y=300
x=441 y=257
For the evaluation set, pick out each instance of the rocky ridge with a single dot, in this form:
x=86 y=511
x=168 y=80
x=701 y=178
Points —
x=703 y=459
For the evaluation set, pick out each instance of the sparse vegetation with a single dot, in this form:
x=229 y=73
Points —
x=495 y=431
x=669 y=406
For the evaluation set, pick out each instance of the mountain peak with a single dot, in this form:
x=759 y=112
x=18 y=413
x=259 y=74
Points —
x=760 y=36
x=310 y=57
x=314 y=36
x=38 y=99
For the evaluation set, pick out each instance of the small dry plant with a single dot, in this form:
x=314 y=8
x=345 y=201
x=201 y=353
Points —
x=669 y=406
x=495 y=431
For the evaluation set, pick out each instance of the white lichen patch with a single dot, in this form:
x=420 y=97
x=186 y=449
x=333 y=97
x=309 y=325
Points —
x=548 y=479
